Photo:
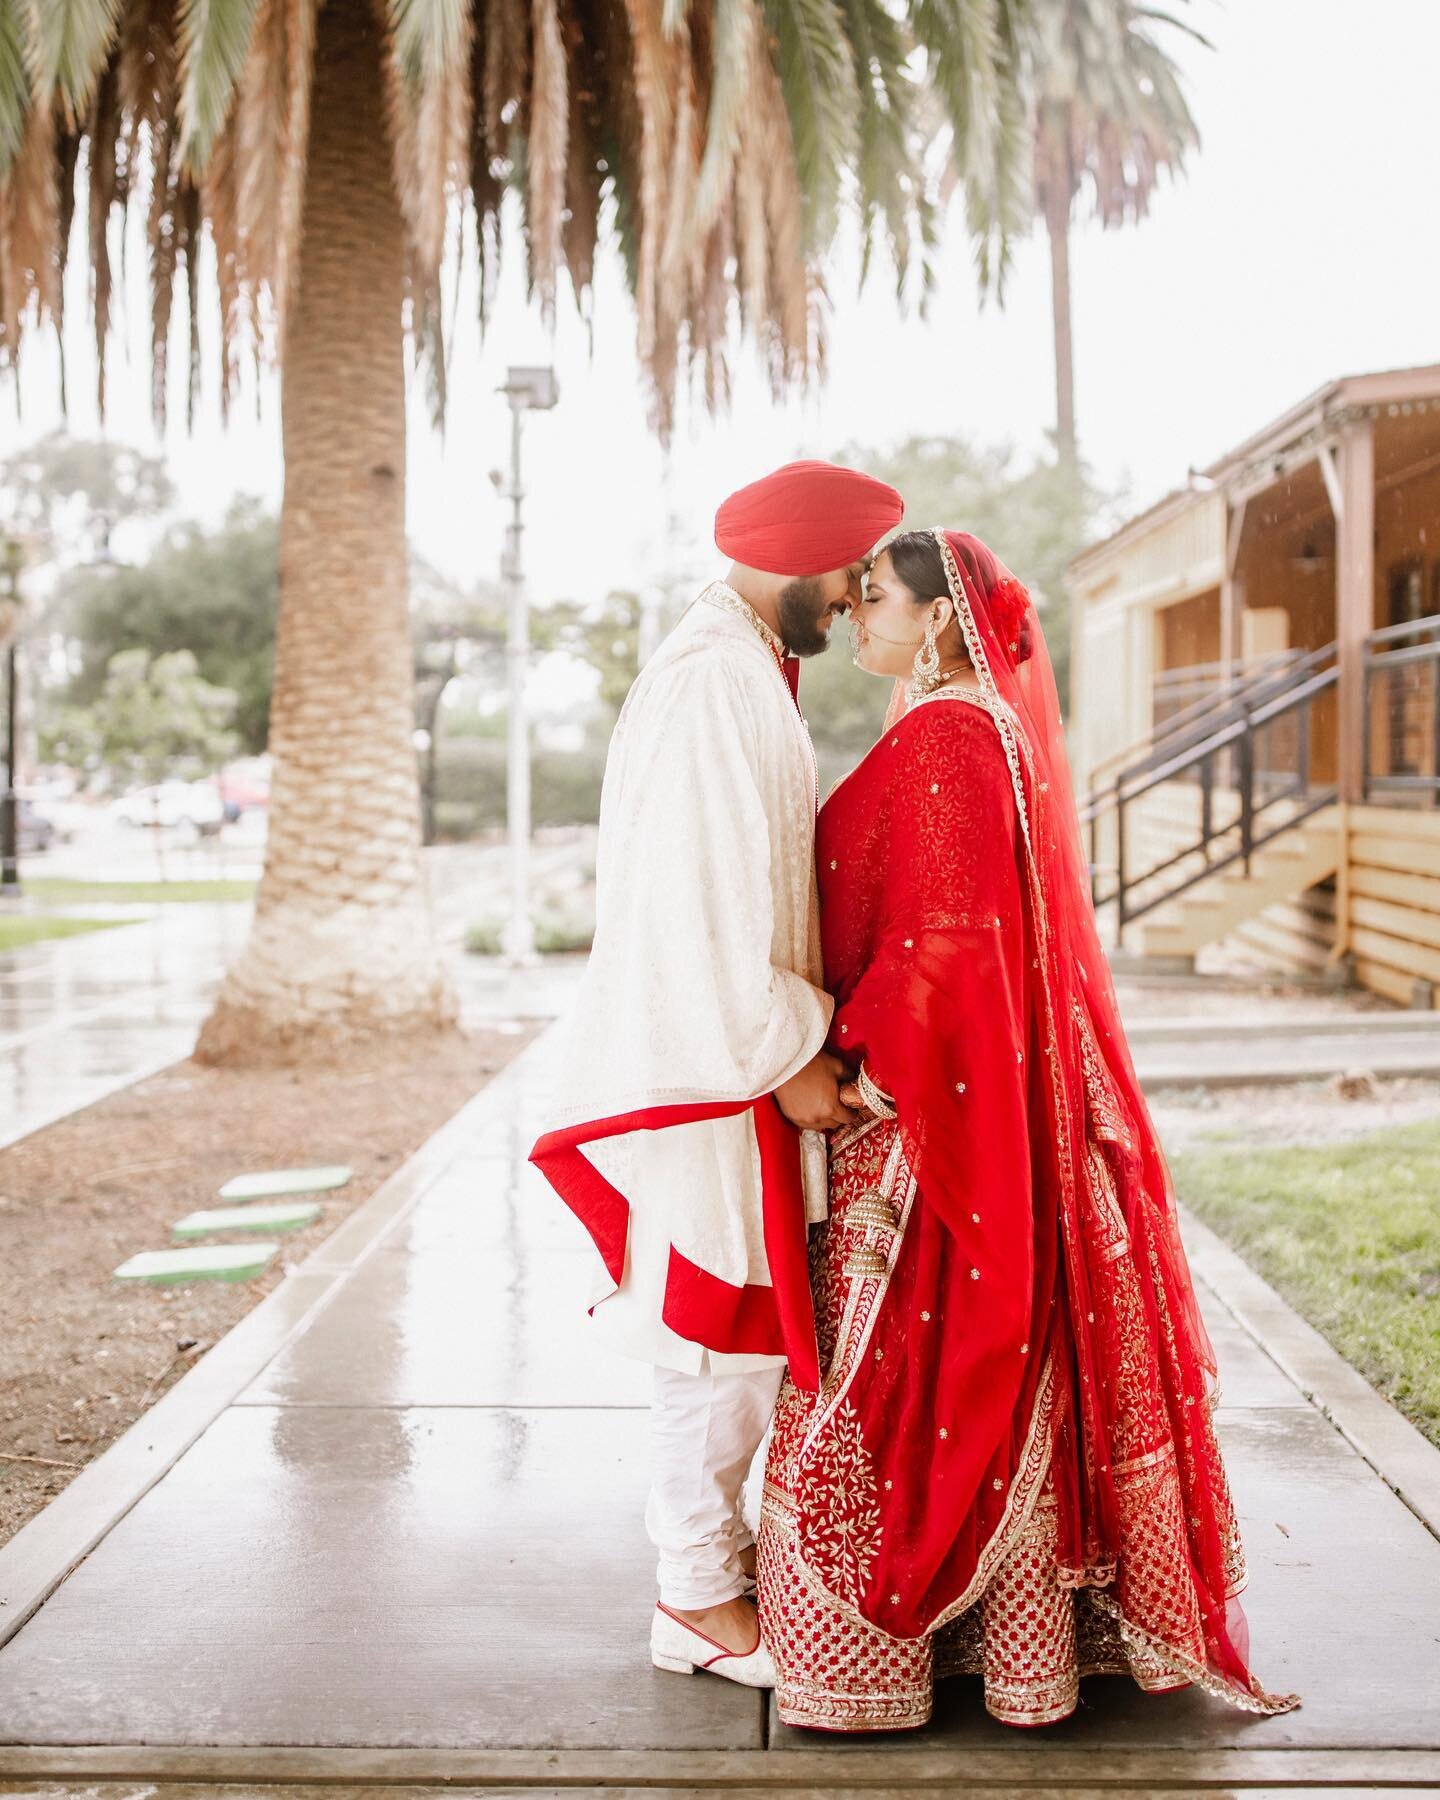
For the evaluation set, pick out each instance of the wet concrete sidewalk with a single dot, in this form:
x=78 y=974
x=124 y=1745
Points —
x=390 y=1530
x=82 y=1016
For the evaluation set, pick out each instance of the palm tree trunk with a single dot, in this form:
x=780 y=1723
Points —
x=1059 y=190
x=342 y=945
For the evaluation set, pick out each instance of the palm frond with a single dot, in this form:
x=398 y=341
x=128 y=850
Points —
x=979 y=53
x=817 y=75
x=149 y=59
x=188 y=227
x=1112 y=92
x=429 y=96
x=214 y=38
x=299 y=74
x=547 y=150
x=220 y=201
x=270 y=141
x=735 y=21
x=14 y=83
x=30 y=210
x=428 y=36
x=427 y=330
x=584 y=176
x=1157 y=15
x=889 y=171
x=786 y=340
x=653 y=78
x=103 y=136
x=507 y=68
x=70 y=42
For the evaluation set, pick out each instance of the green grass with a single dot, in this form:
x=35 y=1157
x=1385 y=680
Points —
x=61 y=890
x=34 y=928
x=553 y=937
x=1349 y=1233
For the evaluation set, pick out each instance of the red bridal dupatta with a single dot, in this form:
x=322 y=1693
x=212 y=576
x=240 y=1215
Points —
x=1015 y=1415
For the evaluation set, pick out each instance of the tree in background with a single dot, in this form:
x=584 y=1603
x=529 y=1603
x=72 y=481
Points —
x=606 y=638
x=154 y=717
x=325 y=149
x=1036 y=515
x=63 y=489
x=1109 y=111
x=213 y=593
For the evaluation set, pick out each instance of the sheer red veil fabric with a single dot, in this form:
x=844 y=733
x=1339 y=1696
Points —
x=1048 y=1106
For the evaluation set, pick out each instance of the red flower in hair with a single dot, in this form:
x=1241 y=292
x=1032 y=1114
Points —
x=1009 y=612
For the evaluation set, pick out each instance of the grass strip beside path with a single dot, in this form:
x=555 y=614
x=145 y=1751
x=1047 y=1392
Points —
x=1349 y=1233
x=33 y=928
x=60 y=890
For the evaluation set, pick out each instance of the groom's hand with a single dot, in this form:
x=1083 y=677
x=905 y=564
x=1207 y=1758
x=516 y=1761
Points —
x=811 y=1097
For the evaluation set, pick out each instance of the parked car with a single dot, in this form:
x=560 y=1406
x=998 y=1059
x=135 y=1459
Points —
x=245 y=786
x=183 y=805
x=34 y=829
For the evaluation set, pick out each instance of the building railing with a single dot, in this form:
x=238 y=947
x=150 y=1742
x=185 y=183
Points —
x=1402 y=711
x=1254 y=767
x=1216 y=695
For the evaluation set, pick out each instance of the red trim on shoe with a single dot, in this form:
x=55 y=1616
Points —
x=756 y=1319
x=704 y=1637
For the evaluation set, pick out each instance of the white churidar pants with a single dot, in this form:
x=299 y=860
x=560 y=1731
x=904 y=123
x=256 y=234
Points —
x=704 y=1431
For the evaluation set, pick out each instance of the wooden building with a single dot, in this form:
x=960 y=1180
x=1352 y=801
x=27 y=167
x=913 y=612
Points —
x=1255 y=696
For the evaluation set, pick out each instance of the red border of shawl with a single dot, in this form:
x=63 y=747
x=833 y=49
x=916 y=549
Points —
x=750 y=1319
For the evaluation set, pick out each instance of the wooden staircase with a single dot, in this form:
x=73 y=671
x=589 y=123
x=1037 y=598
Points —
x=1280 y=870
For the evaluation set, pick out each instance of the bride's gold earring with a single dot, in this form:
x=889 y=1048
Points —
x=925 y=672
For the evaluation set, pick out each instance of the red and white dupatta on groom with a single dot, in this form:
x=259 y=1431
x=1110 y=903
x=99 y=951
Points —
x=702 y=995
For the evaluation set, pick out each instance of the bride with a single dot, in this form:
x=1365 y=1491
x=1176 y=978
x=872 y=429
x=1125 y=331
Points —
x=1010 y=1467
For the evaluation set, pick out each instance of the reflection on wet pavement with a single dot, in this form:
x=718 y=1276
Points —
x=83 y=1016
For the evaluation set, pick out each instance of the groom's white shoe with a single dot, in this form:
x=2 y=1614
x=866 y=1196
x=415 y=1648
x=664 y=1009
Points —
x=678 y=1646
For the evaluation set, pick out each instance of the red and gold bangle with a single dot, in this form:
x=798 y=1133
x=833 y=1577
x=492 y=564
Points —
x=879 y=1102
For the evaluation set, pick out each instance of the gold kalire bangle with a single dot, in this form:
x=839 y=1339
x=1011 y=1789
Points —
x=879 y=1102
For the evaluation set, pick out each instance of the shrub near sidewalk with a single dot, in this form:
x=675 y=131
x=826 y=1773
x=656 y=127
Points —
x=1349 y=1233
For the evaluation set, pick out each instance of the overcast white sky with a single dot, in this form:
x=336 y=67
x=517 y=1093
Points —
x=1300 y=246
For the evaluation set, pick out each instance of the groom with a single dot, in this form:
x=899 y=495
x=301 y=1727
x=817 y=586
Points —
x=691 y=1082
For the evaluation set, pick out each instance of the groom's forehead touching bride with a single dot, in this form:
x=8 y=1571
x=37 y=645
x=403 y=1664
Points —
x=800 y=540
x=809 y=605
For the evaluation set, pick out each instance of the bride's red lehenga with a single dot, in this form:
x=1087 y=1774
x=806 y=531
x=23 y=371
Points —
x=1011 y=1465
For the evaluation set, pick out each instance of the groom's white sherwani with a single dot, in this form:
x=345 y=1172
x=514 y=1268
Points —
x=702 y=994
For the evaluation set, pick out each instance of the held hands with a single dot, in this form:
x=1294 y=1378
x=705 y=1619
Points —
x=813 y=1097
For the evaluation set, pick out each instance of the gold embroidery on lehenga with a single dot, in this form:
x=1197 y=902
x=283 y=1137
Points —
x=838 y=1486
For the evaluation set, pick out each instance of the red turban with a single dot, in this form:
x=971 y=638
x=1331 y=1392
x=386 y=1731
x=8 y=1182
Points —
x=806 y=519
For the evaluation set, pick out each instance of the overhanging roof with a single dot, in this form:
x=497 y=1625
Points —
x=1297 y=430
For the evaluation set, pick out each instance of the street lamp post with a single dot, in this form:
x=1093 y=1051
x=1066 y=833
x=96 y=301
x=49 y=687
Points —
x=528 y=390
x=11 y=556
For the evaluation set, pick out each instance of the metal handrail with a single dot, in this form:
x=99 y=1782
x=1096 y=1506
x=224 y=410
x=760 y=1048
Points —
x=1379 y=657
x=1192 y=714
x=1236 y=707
x=1239 y=735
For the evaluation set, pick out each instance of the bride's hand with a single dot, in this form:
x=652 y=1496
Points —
x=851 y=1096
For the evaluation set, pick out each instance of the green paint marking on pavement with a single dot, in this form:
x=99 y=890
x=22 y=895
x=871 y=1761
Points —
x=284 y=1215
x=214 y=1262
x=267 y=1182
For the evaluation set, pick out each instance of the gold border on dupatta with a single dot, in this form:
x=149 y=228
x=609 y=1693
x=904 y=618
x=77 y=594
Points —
x=863 y=1302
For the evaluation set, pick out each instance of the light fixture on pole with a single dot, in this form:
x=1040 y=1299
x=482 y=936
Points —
x=527 y=390
x=12 y=558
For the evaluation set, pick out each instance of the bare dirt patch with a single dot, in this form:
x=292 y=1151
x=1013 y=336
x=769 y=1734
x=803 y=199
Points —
x=83 y=1355
x=1301 y=1112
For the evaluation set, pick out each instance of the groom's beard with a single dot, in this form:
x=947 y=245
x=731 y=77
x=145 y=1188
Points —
x=803 y=615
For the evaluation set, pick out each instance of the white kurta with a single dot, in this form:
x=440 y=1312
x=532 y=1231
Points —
x=704 y=984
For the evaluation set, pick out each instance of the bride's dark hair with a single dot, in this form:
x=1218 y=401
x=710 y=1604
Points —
x=918 y=563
